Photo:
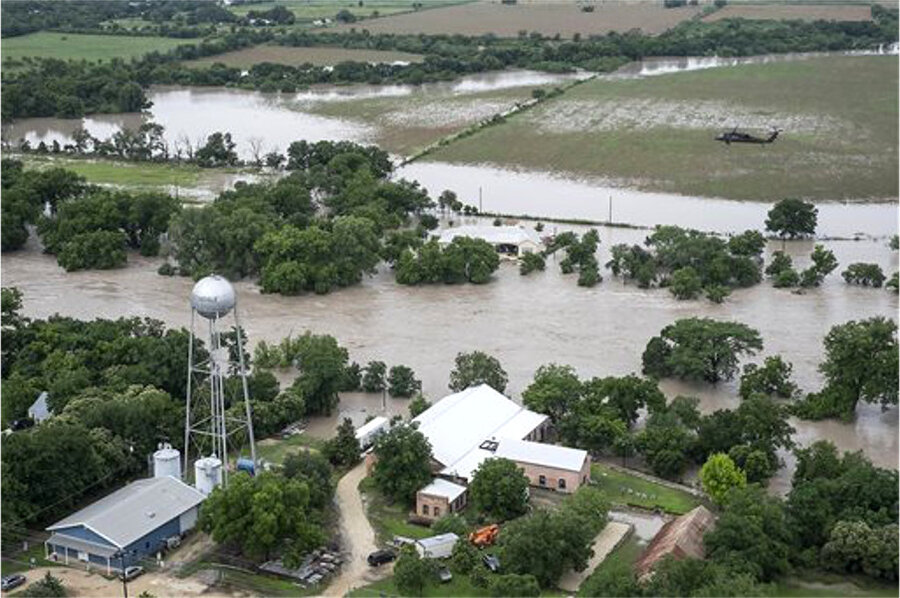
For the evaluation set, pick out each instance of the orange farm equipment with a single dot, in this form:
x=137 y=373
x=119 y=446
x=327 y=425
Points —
x=484 y=536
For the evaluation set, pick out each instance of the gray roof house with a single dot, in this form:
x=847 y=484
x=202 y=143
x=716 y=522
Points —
x=39 y=411
x=125 y=526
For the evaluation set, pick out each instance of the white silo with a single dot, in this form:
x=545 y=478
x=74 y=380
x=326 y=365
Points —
x=167 y=462
x=207 y=474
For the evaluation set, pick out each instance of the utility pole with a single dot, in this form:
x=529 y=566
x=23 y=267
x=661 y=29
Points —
x=480 y=208
x=610 y=209
x=121 y=554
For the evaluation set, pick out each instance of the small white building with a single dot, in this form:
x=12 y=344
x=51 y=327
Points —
x=439 y=498
x=437 y=547
x=510 y=240
x=39 y=410
x=368 y=432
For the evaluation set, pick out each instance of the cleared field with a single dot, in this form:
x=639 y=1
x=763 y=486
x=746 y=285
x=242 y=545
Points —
x=317 y=9
x=805 y=12
x=564 y=18
x=66 y=46
x=839 y=116
x=319 y=56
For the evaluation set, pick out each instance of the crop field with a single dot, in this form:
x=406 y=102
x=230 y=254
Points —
x=548 y=18
x=72 y=46
x=317 y=9
x=838 y=115
x=806 y=12
x=319 y=56
x=409 y=123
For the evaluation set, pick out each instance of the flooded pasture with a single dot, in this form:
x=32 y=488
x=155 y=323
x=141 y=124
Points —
x=543 y=194
x=525 y=321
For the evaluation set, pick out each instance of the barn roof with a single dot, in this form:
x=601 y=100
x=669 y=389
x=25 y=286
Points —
x=682 y=538
x=135 y=510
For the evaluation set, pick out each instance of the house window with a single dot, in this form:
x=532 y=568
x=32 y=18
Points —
x=437 y=511
x=424 y=509
x=562 y=484
x=542 y=480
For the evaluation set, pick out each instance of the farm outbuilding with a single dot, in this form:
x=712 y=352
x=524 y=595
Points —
x=440 y=498
x=680 y=538
x=509 y=240
x=134 y=522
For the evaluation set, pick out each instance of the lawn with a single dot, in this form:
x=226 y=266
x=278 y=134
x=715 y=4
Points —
x=18 y=562
x=625 y=489
x=821 y=583
x=389 y=520
x=550 y=18
x=275 y=450
x=624 y=555
x=294 y=56
x=74 y=46
x=308 y=10
x=130 y=174
x=805 y=12
x=838 y=115
x=458 y=586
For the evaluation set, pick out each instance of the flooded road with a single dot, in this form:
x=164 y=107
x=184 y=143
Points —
x=543 y=194
x=525 y=321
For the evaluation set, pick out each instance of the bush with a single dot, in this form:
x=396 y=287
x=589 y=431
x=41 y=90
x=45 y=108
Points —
x=530 y=262
x=166 y=269
x=864 y=274
x=402 y=382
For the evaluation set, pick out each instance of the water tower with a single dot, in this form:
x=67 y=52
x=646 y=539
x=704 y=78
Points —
x=211 y=429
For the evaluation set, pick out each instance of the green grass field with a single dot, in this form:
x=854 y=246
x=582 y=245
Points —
x=18 y=562
x=130 y=174
x=389 y=520
x=839 y=116
x=71 y=46
x=319 y=56
x=624 y=555
x=275 y=450
x=616 y=485
x=305 y=10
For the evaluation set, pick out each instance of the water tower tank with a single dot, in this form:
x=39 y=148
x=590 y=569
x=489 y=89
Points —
x=213 y=297
x=167 y=462
x=207 y=474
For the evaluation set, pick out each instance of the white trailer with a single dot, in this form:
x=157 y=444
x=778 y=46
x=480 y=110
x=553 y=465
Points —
x=437 y=547
x=370 y=430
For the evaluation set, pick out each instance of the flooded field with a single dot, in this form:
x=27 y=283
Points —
x=526 y=321
x=544 y=194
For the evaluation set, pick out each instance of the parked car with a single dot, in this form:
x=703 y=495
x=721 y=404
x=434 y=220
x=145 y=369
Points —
x=380 y=557
x=444 y=574
x=11 y=582
x=491 y=562
x=131 y=572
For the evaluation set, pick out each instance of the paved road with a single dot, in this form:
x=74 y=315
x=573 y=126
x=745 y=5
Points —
x=357 y=536
x=608 y=538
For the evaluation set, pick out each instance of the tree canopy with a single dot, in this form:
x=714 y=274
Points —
x=499 y=489
x=477 y=367
x=403 y=463
x=792 y=218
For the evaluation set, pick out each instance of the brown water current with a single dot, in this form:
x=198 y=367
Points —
x=525 y=321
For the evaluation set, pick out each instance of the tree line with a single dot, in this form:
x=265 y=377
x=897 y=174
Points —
x=51 y=87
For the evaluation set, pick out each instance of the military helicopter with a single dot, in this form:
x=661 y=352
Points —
x=734 y=137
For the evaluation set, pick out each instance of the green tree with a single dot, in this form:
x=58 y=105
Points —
x=258 y=514
x=719 y=475
x=419 y=404
x=590 y=505
x=531 y=262
x=664 y=442
x=344 y=448
x=499 y=489
x=477 y=368
x=554 y=391
x=700 y=349
x=515 y=585
x=452 y=523
x=780 y=263
x=823 y=264
x=854 y=547
x=47 y=587
x=403 y=464
x=321 y=362
x=411 y=573
x=685 y=283
x=772 y=379
x=101 y=250
x=864 y=274
x=402 y=381
x=751 y=535
x=465 y=557
x=313 y=469
x=792 y=218
x=373 y=379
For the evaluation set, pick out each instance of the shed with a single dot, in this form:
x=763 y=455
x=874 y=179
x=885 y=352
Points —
x=39 y=410
x=367 y=433
x=440 y=498
x=437 y=547
x=681 y=538
x=126 y=525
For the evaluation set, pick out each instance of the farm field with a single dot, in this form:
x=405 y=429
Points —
x=317 y=9
x=548 y=18
x=294 y=56
x=74 y=46
x=838 y=115
x=806 y=12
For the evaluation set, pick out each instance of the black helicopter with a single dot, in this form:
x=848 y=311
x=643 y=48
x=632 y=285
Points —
x=734 y=137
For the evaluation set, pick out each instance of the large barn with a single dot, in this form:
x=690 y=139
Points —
x=134 y=521
x=479 y=423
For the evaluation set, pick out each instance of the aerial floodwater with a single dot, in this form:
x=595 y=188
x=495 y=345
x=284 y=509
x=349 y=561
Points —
x=528 y=321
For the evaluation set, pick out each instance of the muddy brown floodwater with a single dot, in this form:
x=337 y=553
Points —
x=525 y=321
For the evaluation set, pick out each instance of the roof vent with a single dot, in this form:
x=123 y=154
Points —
x=151 y=514
x=489 y=445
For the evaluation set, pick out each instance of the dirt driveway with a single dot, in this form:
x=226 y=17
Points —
x=357 y=535
x=79 y=582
